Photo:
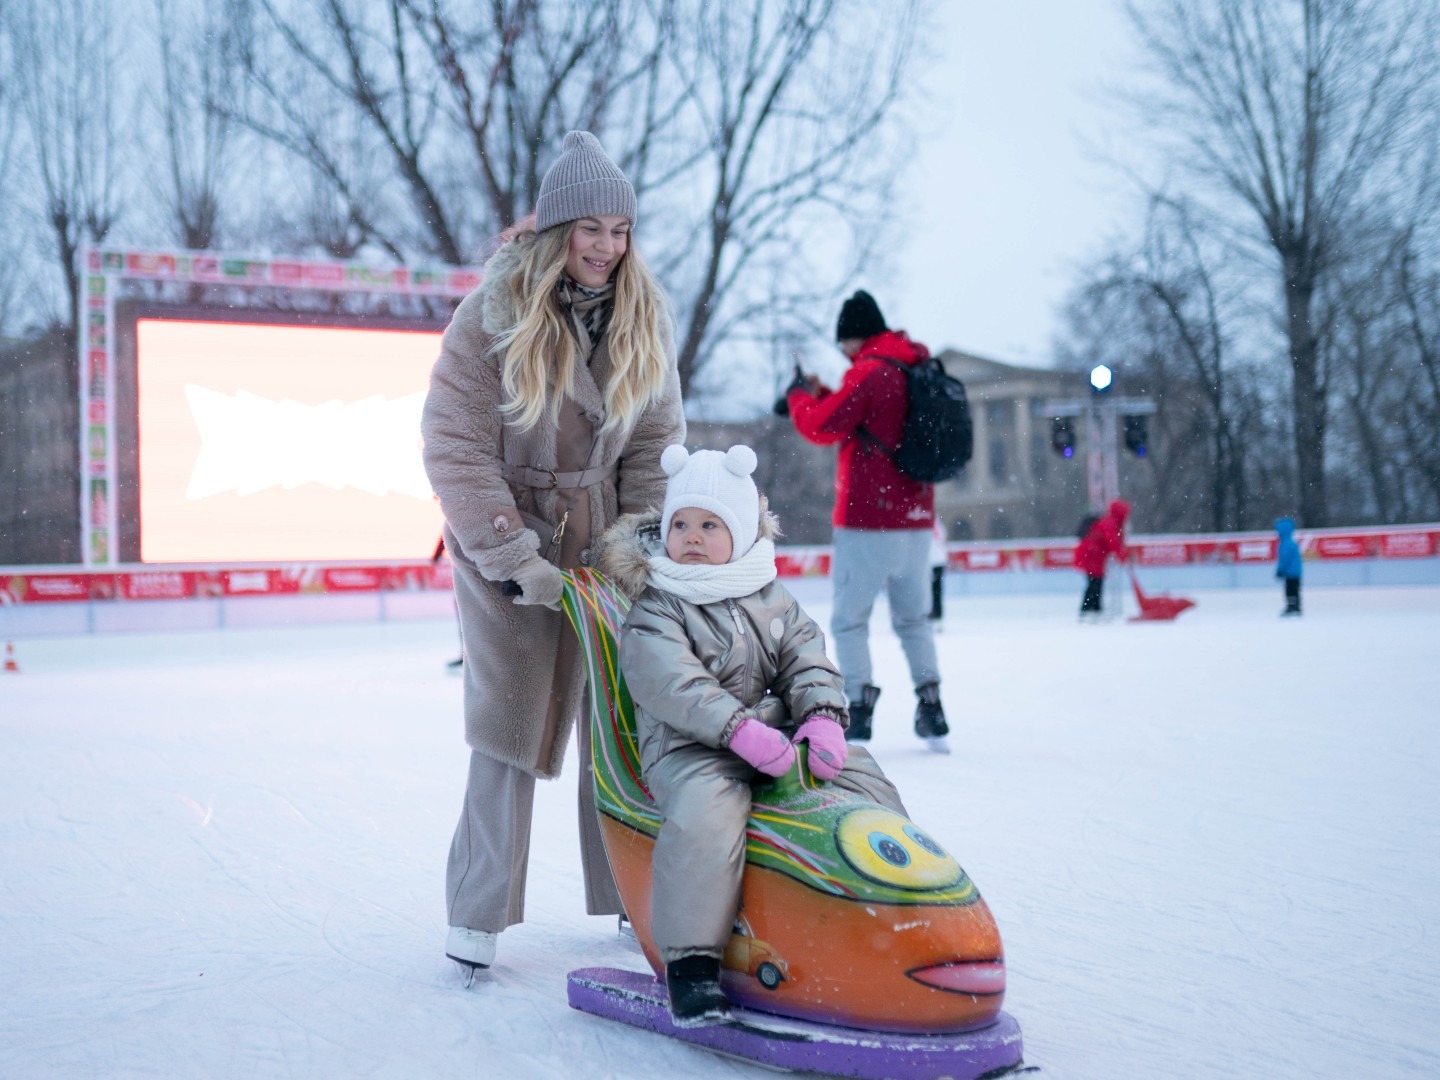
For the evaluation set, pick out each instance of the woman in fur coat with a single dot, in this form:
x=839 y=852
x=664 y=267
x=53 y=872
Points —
x=555 y=393
x=727 y=674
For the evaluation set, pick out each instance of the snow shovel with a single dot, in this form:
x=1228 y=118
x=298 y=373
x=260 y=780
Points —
x=1157 y=608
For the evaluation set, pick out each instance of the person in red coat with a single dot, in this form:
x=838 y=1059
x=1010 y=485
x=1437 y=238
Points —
x=882 y=518
x=1103 y=539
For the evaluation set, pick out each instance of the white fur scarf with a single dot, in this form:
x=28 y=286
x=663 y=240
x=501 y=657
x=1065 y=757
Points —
x=705 y=583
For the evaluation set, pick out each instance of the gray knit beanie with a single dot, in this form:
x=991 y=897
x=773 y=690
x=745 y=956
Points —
x=583 y=182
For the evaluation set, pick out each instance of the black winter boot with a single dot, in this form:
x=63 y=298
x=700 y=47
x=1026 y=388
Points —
x=695 y=995
x=930 y=722
x=861 y=713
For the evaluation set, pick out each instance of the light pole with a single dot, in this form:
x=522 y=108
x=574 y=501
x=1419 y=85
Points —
x=1102 y=465
x=1100 y=410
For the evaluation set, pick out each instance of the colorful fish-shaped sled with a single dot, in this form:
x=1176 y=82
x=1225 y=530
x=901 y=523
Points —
x=912 y=977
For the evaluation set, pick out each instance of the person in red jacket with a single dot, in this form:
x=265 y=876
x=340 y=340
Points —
x=882 y=518
x=1104 y=538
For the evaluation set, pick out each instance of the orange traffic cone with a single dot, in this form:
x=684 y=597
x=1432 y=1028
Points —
x=10 y=664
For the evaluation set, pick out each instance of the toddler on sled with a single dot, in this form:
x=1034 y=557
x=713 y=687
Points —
x=728 y=675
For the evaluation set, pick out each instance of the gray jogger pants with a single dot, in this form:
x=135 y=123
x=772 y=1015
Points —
x=864 y=562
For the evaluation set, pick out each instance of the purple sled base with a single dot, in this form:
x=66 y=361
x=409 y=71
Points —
x=802 y=1045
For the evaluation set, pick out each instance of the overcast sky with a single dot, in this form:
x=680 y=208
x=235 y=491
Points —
x=1005 y=200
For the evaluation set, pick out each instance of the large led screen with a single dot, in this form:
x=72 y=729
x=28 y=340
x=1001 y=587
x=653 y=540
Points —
x=264 y=443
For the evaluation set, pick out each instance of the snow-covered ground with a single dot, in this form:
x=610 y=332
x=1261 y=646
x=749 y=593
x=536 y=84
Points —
x=1212 y=846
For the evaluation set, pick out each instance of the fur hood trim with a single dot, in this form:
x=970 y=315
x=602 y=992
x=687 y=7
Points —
x=627 y=546
x=501 y=308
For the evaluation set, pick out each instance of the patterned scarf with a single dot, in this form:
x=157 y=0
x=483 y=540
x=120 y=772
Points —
x=589 y=310
x=705 y=583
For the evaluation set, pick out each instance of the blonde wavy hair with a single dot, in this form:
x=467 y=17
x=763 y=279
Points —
x=540 y=342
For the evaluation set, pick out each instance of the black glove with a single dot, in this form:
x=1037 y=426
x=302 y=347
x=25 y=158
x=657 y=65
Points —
x=782 y=403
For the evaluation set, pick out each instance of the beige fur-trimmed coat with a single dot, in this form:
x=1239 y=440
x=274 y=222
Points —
x=492 y=527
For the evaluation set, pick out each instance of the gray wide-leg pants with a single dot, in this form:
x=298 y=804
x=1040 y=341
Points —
x=864 y=562
x=485 y=874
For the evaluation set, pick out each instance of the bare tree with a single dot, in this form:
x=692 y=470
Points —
x=1365 y=346
x=1418 y=414
x=1161 y=312
x=761 y=135
x=445 y=97
x=790 y=122
x=196 y=84
x=64 y=78
x=1173 y=275
x=734 y=121
x=1293 y=117
x=10 y=242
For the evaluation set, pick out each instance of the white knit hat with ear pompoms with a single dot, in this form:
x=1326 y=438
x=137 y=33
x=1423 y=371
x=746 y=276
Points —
x=719 y=483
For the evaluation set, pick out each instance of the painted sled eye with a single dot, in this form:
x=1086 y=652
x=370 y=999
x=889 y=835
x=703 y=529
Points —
x=924 y=841
x=887 y=848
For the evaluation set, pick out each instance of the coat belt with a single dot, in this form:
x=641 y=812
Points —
x=545 y=479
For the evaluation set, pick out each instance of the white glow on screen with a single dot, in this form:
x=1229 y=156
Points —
x=282 y=443
x=248 y=444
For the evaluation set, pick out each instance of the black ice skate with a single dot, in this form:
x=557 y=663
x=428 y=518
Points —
x=861 y=713
x=695 y=995
x=930 y=722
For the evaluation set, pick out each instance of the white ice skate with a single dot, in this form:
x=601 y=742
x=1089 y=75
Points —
x=471 y=949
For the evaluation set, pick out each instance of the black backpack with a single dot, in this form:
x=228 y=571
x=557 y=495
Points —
x=1086 y=524
x=938 y=437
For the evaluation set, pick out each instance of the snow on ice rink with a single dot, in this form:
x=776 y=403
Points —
x=1212 y=847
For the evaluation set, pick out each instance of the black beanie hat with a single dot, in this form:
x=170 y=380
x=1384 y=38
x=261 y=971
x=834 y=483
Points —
x=860 y=318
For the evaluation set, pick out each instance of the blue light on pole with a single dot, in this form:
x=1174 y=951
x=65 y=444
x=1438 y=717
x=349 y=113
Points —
x=1100 y=378
x=1062 y=436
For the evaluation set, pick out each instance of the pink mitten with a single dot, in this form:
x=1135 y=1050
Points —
x=763 y=747
x=827 y=746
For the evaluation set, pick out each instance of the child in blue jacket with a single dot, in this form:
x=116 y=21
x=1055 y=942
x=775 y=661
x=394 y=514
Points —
x=1288 y=567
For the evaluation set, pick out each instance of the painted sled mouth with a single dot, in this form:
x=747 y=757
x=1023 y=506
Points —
x=977 y=978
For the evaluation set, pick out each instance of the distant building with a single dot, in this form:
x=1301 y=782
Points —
x=39 y=451
x=1016 y=485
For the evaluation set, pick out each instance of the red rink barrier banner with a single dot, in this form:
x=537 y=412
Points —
x=1321 y=545
x=156 y=585
x=47 y=588
x=802 y=562
x=21 y=585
